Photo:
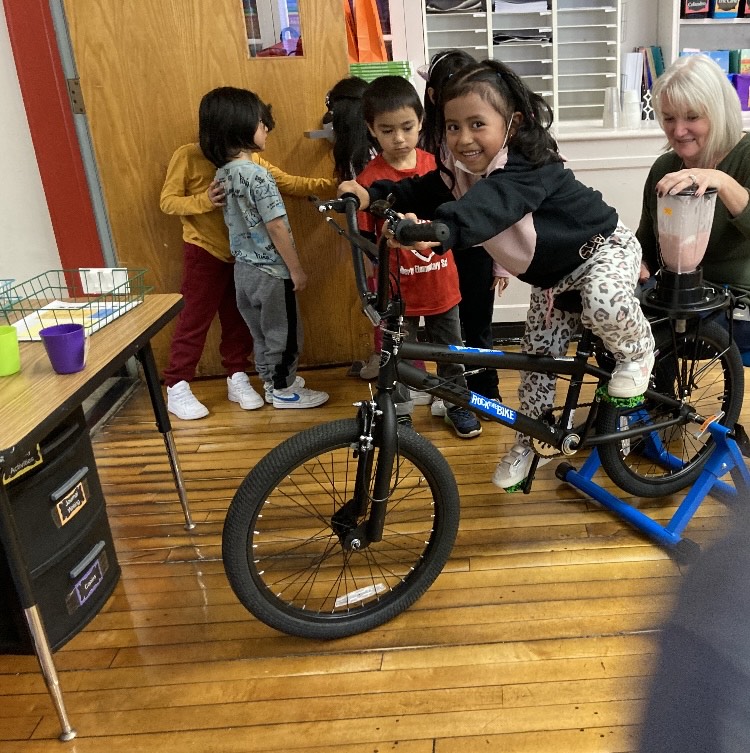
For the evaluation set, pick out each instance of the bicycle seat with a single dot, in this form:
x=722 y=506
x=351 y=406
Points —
x=569 y=301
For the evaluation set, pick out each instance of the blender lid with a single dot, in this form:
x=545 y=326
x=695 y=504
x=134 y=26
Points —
x=690 y=191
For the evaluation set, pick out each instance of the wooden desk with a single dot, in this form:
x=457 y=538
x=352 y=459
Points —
x=36 y=400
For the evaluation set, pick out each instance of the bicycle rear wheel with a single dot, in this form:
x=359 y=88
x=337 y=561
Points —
x=704 y=369
x=286 y=563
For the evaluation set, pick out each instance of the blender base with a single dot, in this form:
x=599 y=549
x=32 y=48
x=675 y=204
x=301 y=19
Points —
x=681 y=293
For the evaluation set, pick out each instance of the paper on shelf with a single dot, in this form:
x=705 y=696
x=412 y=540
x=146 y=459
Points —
x=95 y=281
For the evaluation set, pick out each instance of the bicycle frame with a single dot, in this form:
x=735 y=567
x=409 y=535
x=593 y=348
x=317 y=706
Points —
x=378 y=416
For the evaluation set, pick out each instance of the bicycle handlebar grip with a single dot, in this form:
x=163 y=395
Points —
x=346 y=196
x=409 y=232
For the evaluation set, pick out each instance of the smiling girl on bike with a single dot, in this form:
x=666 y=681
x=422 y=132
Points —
x=503 y=186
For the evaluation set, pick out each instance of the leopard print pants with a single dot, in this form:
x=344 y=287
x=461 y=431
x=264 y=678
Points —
x=606 y=281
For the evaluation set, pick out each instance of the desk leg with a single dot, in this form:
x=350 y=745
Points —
x=146 y=357
x=22 y=583
x=47 y=665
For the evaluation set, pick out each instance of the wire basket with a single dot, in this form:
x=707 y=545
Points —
x=92 y=297
x=5 y=286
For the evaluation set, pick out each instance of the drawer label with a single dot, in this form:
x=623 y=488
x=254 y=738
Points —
x=28 y=462
x=71 y=504
x=88 y=583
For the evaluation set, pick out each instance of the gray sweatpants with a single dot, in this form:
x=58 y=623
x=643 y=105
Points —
x=269 y=307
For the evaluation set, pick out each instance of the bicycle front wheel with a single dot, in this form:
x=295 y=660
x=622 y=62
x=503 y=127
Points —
x=282 y=541
x=703 y=368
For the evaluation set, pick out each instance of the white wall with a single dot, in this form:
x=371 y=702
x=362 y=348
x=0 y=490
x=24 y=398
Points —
x=27 y=242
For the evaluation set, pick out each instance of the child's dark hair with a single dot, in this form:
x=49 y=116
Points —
x=502 y=89
x=443 y=66
x=227 y=121
x=388 y=94
x=352 y=146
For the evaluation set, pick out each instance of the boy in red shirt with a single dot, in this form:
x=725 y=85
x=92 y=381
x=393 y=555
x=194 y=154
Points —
x=428 y=282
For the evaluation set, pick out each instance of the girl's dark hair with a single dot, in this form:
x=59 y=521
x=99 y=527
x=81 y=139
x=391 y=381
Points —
x=503 y=90
x=227 y=121
x=388 y=94
x=442 y=66
x=353 y=145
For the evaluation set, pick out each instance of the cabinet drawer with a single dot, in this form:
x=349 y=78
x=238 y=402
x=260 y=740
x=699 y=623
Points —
x=54 y=503
x=69 y=592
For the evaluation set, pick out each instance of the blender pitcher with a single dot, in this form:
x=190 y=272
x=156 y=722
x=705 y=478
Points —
x=684 y=222
x=684 y=227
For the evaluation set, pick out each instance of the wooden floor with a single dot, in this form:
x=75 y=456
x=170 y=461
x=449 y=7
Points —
x=539 y=636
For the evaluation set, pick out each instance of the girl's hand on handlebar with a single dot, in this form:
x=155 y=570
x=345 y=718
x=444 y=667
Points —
x=351 y=186
x=417 y=245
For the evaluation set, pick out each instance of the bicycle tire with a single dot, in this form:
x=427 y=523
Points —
x=299 y=579
x=665 y=462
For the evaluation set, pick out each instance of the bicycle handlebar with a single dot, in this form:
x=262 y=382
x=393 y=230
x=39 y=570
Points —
x=405 y=231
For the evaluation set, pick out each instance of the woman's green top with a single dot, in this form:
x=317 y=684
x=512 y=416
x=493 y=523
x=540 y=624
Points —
x=727 y=258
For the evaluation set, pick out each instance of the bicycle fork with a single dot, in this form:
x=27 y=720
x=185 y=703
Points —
x=376 y=452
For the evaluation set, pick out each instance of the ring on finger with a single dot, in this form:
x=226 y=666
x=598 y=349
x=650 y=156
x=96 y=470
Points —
x=693 y=178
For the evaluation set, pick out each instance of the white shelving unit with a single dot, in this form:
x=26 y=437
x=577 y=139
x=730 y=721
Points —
x=677 y=33
x=569 y=53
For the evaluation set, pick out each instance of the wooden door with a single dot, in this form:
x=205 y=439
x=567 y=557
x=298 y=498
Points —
x=144 y=66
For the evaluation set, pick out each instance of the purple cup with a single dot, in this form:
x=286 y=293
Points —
x=66 y=347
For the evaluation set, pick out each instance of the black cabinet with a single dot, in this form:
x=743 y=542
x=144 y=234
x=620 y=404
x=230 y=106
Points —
x=63 y=529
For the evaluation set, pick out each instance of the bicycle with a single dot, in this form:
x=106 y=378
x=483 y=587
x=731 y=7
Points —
x=345 y=525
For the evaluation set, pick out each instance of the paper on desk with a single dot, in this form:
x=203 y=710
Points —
x=93 y=316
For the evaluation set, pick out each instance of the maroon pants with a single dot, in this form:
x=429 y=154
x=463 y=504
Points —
x=208 y=289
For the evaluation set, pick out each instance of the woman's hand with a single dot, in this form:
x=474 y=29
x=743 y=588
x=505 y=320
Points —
x=644 y=273
x=216 y=194
x=732 y=194
x=351 y=186
x=702 y=179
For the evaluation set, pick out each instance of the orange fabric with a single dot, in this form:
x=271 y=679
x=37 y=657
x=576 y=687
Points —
x=351 y=32
x=370 y=44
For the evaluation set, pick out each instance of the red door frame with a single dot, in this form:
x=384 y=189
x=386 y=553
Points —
x=45 y=97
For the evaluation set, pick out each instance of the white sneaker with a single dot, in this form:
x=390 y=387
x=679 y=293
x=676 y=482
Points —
x=183 y=403
x=371 y=368
x=630 y=378
x=239 y=390
x=420 y=398
x=268 y=388
x=438 y=407
x=298 y=397
x=514 y=466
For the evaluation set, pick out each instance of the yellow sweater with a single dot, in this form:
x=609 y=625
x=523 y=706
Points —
x=185 y=194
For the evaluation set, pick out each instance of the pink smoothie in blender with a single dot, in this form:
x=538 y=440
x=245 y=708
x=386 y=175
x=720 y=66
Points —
x=684 y=227
x=684 y=221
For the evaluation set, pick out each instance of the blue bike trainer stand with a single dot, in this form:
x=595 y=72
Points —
x=726 y=458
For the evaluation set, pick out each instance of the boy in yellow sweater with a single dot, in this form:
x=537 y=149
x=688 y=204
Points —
x=208 y=278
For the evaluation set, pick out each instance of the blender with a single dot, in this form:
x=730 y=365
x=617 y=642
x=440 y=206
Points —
x=684 y=222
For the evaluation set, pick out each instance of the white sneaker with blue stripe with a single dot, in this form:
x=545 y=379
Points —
x=298 y=397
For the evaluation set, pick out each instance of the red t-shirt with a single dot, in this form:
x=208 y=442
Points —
x=429 y=281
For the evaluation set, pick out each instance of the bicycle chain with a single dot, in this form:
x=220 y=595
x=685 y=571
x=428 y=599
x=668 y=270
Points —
x=545 y=450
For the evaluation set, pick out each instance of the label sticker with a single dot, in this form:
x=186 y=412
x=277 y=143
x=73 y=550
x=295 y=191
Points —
x=87 y=584
x=71 y=504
